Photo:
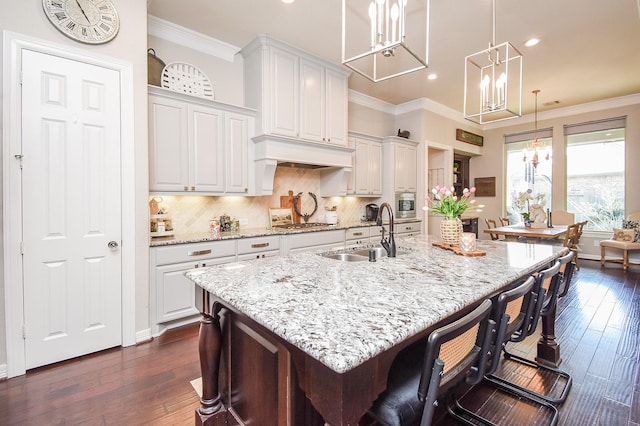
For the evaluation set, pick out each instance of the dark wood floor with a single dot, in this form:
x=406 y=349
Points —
x=598 y=328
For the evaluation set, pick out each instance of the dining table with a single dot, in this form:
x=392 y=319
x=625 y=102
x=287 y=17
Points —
x=529 y=234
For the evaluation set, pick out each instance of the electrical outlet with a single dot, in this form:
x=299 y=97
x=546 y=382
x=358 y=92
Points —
x=596 y=243
x=244 y=221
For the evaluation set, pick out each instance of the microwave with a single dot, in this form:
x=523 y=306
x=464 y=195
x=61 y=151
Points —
x=405 y=205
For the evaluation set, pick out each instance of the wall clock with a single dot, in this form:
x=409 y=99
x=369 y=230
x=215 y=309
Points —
x=87 y=21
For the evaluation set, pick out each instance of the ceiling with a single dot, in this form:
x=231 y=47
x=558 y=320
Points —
x=589 y=49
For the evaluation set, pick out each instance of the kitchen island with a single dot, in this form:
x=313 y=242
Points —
x=328 y=330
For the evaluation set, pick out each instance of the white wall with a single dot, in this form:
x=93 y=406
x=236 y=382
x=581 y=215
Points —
x=225 y=77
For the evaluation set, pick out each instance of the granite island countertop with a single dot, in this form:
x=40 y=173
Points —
x=344 y=313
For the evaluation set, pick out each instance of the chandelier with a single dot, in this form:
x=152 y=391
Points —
x=536 y=146
x=493 y=81
x=382 y=39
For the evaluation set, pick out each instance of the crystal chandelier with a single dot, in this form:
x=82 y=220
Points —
x=493 y=81
x=382 y=39
x=536 y=146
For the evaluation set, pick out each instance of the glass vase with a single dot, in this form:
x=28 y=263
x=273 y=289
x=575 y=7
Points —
x=450 y=231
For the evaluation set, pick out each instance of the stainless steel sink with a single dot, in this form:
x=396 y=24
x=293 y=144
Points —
x=360 y=255
x=379 y=251
x=346 y=257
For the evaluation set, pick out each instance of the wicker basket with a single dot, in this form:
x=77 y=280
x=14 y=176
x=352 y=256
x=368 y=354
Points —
x=450 y=231
x=185 y=78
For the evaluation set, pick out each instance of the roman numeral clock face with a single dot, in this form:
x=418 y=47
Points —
x=87 y=21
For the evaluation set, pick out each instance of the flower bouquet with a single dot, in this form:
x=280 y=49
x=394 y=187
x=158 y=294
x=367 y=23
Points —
x=445 y=202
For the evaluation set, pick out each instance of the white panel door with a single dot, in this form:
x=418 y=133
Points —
x=71 y=208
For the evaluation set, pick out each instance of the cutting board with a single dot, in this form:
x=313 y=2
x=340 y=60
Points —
x=287 y=202
x=457 y=249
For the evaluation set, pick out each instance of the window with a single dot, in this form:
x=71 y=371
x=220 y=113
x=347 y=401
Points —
x=527 y=181
x=595 y=173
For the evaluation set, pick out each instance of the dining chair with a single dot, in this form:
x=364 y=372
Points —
x=571 y=239
x=562 y=217
x=491 y=223
x=453 y=354
x=504 y=221
x=513 y=313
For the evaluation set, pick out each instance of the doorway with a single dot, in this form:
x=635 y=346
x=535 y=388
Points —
x=68 y=279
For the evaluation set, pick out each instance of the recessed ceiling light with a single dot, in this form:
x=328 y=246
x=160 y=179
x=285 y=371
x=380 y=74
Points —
x=531 y=42
x=288 y=1
x=432 y=76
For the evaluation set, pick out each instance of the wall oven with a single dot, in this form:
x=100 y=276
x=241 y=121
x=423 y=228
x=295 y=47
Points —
x=405 y=205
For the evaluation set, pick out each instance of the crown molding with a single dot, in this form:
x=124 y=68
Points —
x=622 y=101
x=429 y=105
x=437 y=108
x=371 y=102
x=194 y=40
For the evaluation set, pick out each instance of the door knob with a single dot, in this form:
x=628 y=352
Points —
x=112 y=245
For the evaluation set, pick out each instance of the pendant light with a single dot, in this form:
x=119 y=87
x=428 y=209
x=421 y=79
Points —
x=382 y=39
x=535 y=147
x=493 y=81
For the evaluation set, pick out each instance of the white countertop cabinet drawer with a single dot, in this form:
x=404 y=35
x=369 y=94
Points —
x=193 y=252
x=408 y=229
x=316 y=240
x=258 y=245
x=357 y=236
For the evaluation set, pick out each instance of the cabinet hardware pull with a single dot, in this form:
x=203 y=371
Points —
x=198 y=252
x=259 y=245
x=357 y=234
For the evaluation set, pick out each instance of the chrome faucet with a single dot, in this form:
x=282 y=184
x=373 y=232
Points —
x=389 y=244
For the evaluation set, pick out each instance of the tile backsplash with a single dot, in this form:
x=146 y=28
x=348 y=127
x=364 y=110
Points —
x=191 y=213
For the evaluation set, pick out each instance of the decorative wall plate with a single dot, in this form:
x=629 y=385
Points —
x=185 y=78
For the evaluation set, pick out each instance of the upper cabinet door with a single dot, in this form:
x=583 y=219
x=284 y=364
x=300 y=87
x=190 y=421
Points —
x=285 y=95
x=336 y=108
x=237 y=152
x=168 y=150
x=312 y=101
x=206 y=144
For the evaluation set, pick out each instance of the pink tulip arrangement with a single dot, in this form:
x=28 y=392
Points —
x=448 y=204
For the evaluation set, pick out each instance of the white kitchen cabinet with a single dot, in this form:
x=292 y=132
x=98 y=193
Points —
x=400 y=165
x=258 y=247
x=296 y=94
x=357 y=236
x=368 y=167
x=407 y=229
x=320 y=240
x=173 y=296
x=237 y=130
x=281 y=116
x=197 y=145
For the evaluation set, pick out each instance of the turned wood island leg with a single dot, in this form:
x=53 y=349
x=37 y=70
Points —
x=548 y=349
x=211 y=410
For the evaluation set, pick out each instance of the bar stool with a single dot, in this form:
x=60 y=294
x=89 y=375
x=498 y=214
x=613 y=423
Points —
x=513 y=312
x=552 y=283
x=453 y=354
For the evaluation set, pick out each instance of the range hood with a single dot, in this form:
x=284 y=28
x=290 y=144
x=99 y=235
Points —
x=270 y=151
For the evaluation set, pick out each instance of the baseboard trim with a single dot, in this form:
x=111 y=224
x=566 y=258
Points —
x=143 y=336
x=3 y=371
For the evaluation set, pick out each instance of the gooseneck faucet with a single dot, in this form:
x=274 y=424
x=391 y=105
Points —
x=389 y=243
